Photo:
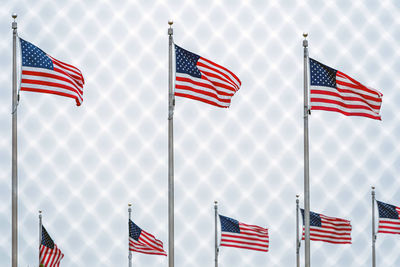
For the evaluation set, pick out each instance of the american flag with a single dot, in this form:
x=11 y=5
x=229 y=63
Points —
x=203 y=80
x=143 y=242
x=328 y=229
x=240 y=235
x=42 y=73
x=50 y=254
x=332 y=90
x=389 y=218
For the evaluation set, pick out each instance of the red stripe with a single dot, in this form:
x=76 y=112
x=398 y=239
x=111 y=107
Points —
x=78 y=103
x=245 y=237
x=347 y=98
x=206 y=85
x=221 y=67
x=346 y=113
x=191 y=89
x=236 y=246
x=338 y=103
x=200 y=99
x=361 y=86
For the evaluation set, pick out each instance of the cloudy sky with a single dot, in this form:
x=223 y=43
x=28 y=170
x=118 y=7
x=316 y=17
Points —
x=83 y=165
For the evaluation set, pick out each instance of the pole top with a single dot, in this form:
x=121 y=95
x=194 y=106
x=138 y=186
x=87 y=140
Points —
x=215 y=202
x=129 y=205
x=305 y=34
x=297 y=196
x=170 y=22
x=14 y=16
x=373 y=187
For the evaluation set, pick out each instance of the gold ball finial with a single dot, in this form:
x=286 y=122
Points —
x=14 y=15
x=40 y=211
x=297 y=196
x=170 y=22
x=373 y=187
x=305 y=34
x=129 y=204
x=215 y=202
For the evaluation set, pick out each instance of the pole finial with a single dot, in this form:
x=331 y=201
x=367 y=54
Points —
x=297 y=196
x=129 y=205
x=170 y=22
x=215 y=202
x=14 y=16
x=40 y=212
x=373 y=187
x=305 y=34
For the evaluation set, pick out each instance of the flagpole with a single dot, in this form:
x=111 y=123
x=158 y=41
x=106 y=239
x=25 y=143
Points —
x=14 y=174
x=216 y=233
x=171 y=103
x=297 y=233
x=129 y=251
x=40 y=232
x=373 y=227
x=306 y=160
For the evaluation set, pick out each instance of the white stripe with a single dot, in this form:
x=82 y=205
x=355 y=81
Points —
x=220 y=79
x=236 y=81
x=211 y=99
x=58 y=74
x=352 y=110
x=333 y=90
x=203 y=81
x=46 y=79
x=243 y=238
x=343 y=79
x=51 y=88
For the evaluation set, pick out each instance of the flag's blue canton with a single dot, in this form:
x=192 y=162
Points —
x=46 y=239
x=186 y=62
x=387 y=211
x=229 y=224
x=33 y=56
x=134 y=230
x=322 y=75
x=315 y=219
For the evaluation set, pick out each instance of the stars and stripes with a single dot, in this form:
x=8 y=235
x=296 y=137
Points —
x=328 y=229
x=239 y=235
x=143 y=242
x=203 y=80
x=42 y=73
x=50 y=254
x=389 y=218
x=332 y=90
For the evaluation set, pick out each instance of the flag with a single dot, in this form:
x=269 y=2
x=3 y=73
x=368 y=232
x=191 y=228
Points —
x=50 y=254
x=389 y=221
x=143 y=242
x=42 y=73
x=328 y=229
x=332 y=90
x=203 y=80
x=239 y=235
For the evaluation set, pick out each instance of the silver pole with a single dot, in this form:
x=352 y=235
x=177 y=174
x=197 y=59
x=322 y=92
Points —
x=306 y=160
x=171 y=104
x=129 y=251
x=40 y=233
x=297 y=233
x=373 y=227
x=216 y=233
x=14 y=168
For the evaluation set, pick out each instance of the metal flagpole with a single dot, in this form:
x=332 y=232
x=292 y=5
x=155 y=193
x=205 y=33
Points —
x=373 y=227
x=40 y=233
x=171 y=104
x=129 y=251
x=297 y=233
x=306 y=160
x=14 y=174
x=216 y=233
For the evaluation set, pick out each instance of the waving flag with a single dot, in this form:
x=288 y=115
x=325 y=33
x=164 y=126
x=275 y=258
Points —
x=50 y=255
x=239 y=235
x=203 y=80
x=328 y=229
x=332 y=90
x=42 y=73
x=143 y=242
x=389 y=219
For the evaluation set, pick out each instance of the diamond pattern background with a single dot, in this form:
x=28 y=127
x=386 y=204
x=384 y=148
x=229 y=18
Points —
x=83 y=165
